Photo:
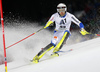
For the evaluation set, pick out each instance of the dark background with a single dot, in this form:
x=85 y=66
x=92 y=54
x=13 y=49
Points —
x=37 y=10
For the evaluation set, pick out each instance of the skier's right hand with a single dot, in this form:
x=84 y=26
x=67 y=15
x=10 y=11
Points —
x=48 y=24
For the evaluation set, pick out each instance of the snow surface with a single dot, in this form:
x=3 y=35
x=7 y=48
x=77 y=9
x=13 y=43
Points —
x=84 y=57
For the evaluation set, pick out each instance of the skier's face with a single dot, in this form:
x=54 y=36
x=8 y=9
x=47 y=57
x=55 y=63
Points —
x=62 y=11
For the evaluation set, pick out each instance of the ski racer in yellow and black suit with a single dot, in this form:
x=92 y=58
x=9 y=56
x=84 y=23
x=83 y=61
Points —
x=63 y=21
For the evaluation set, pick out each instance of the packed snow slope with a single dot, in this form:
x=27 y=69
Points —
x=84 y=57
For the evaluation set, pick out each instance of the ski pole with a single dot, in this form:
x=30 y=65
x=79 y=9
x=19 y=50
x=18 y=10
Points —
x=92 y=33
x=97 y=34
x=25 y=38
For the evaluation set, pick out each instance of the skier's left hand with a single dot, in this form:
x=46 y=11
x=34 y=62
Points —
x=83 y=31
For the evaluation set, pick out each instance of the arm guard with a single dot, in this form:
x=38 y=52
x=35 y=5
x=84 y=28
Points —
x=81 y=25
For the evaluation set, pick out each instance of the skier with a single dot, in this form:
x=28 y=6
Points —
x=63 y=21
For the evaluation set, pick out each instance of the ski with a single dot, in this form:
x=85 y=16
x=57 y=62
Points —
x=64 y=51
x=52 y=56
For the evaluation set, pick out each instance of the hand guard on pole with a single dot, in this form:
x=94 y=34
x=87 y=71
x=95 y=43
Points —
x=83 y=31
x=48 y=24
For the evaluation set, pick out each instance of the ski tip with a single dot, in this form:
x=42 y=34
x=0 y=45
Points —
x=71 y=49
x=34 y=61
x=41 y=48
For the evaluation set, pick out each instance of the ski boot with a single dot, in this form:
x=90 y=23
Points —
x=35 y=59
x=54 y=54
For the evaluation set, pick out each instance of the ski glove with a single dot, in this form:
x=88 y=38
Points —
x=83 y=31
x=48 y=24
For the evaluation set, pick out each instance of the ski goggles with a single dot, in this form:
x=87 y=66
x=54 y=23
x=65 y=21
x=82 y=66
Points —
x=61 y=9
